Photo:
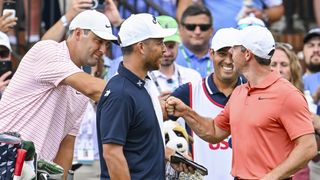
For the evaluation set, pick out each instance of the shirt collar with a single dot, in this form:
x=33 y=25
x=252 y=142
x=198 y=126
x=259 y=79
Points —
x=212 y=87
x=159 y=74
x=123 y=71
x=270 y=79
x=191 y=55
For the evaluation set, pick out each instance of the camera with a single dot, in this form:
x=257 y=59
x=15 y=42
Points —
x=9 y=6
x=96 y=3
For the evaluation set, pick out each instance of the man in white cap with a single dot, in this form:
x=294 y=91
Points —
x=268 y=118
x=208 y=97
x=129 y=115
x=47 y=96
x=5 y=62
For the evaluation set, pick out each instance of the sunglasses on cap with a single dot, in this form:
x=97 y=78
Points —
x=192 y=27
x=242 y=26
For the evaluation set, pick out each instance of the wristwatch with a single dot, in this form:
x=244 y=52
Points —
x=64 y=21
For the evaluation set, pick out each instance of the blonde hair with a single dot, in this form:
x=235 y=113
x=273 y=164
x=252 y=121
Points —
x=294 y=64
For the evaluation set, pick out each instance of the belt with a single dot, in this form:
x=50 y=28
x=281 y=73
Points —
x=236 y=178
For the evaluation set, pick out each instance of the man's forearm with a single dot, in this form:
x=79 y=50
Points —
x=118 y=167
x=116 y=162
x=302 y=153
x=64 y=156
x=275 y=13
x=202 y=126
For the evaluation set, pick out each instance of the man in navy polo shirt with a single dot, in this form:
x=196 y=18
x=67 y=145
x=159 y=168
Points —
x=129 y=115
x=208 y=97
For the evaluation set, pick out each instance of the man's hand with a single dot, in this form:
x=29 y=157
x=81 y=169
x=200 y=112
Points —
x=6 y=24
x=176 y=107
x=77 y=7
x=111 y=11
x=4 y=83
x=162 y=98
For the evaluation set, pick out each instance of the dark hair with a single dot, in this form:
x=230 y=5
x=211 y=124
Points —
x=263 y=61
x=260 y=60
x=195 y=10
x=127 y=50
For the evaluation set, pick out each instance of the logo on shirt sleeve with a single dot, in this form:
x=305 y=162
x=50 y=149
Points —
x=106 y=94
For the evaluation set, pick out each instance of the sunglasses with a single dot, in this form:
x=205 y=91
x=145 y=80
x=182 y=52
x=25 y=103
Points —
x=242 y=26
x=192 y=27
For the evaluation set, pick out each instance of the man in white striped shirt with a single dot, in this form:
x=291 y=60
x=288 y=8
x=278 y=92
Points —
x=46 y=98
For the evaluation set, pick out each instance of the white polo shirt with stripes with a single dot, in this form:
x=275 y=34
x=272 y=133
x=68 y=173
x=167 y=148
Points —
x=36 y=105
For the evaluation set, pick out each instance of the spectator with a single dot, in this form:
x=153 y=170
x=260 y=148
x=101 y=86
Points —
x=6 y=23
x=49 y=88
x=195 y=32
x=311 y=51
x=226 y=12
x=284 y=133
x=286 y=63
x=5 y=61
x=130 y=106
x=171 y=75
x=208 y=97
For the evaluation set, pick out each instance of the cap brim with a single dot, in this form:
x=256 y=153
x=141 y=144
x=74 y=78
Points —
x=310 y=36
x=164 y=33
x=174 y=38
x=105 y=35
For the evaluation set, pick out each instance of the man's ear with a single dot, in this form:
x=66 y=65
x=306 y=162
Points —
x=77 y=33
x=140 y=47
x=211 y=53
x=248 y=55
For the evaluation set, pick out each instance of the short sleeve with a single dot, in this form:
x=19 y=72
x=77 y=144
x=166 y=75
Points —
x=223 y=118
x=53 y=63
x=295 y=115
x=116 y=114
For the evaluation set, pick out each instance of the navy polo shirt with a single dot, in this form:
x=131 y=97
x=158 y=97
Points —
x=125 y=116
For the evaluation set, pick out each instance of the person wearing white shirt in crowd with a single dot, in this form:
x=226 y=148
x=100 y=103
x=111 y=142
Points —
x=171 y=75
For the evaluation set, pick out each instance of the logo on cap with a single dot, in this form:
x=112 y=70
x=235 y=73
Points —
x=154 y=20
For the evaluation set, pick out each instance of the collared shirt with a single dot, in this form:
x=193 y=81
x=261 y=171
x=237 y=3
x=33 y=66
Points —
x=126 y=116
x=264 y=121
x=188 y=59
x=311 y=83
x=180 y=76
x=206 y=99
x=37 y=105
x=183 y=92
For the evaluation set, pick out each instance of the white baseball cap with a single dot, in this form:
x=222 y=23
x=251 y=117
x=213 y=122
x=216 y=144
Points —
x=139 y=27
x=224 y=37
x=4 y=41
x=250 y=20
x=257 y=39
x=95 y=21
